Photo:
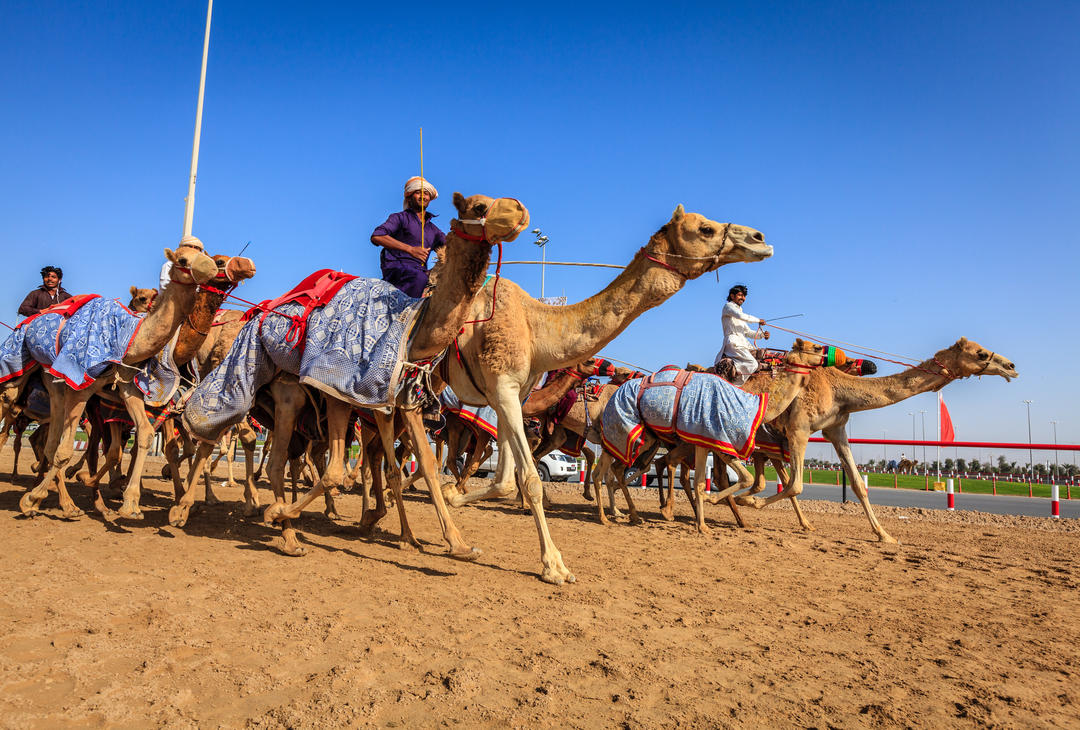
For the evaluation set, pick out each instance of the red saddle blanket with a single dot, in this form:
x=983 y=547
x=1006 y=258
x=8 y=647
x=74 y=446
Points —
x=66 y=308
x=314 y=291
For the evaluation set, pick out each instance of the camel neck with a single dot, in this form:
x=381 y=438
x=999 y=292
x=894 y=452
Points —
x=196 y=326
x=170 y=309
x=462 y=274
x=866 y=393
x=587 y=326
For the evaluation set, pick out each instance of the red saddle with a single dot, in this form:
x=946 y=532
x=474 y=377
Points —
x=314 y=291
x=66 y=308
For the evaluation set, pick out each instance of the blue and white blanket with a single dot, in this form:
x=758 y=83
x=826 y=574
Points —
x=80 y=348
x=354 y=349
x=482 y=417
x=712 y=413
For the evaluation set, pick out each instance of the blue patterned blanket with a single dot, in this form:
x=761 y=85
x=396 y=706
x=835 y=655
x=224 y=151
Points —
x=482 y=417
x=81 y=347
x=354 y=349
x=711 y=412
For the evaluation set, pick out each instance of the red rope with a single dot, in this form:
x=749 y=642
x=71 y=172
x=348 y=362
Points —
x=914 y=366
x=494 y=289
x=8 y=326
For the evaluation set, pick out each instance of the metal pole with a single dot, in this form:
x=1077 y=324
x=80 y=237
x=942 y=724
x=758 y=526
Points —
x=1030 y=468
x=912 y=414
x=923 y=418
x=189 y=201
x=884 y=448
x=543 y=267
x=1054 y=424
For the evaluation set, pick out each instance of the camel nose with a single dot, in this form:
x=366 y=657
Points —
x=759 y=237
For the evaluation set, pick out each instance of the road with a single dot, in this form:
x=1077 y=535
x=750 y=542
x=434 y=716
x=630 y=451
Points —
x=999 y=505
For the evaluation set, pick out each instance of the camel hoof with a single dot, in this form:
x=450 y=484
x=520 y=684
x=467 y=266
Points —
x=295 y=550
x=332 y=514
x=408 y=545
x=178 y=515
x=273 y=513
x=249 y=509
x=557 y=577
x=888 y=539
x=72 y=514
x=467 y=554
x=130 y=512
x=28 y=505
x=668 y=513
x=636 y=520
x=704 y=530
x=456 y=500
x=745 y=500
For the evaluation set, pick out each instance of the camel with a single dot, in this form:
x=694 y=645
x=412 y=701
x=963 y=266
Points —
x=906 y=466
x=483 y=223
x=782 y=388
x=142 y=300
x=522 y=338
x=230 y=272
x=191 y=267
x=830 y=397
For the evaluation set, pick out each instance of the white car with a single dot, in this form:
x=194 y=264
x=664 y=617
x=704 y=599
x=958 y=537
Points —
x=555 y=467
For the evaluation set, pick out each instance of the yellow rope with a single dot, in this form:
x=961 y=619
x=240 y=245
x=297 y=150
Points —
x=423 y=211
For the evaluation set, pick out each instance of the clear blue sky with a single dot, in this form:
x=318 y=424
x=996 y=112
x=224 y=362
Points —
x=914 y=164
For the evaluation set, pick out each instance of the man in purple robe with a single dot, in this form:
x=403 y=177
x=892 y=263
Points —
x=407 y=239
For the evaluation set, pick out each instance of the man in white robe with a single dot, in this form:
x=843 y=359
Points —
x=737 y=334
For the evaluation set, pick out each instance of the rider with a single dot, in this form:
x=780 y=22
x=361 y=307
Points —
x=737 y=333
x=49 y=293
x=407 y=239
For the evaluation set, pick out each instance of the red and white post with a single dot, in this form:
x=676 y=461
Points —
x=949 y=496
x=1055 y=504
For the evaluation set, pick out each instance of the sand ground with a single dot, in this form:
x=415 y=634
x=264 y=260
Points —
x=972 y=621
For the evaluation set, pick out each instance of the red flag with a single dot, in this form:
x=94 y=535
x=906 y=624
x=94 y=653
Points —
x=945 y=429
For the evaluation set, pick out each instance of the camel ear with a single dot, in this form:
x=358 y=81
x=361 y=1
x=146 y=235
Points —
x=799 y=344
x=506 y=218
x=133 y=290
x=678 y=214
x=170 y=255
x=459 y=203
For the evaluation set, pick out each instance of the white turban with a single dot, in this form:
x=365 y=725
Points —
x=414 y=183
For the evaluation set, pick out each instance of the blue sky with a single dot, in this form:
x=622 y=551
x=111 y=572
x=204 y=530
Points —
x=914 y=164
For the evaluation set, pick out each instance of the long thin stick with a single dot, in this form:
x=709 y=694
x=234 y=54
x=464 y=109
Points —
x=562 y=263
x=423 y=211
x=786 y=316
x=244 y=248
x=189 y=201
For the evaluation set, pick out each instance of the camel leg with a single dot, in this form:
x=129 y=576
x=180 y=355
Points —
x=603 y=468
x=248 y=439
x=178 y=513
x=144 y=435
x=504 y=484
x=374 y=459
x=590 y=459
x=508 y=408
x=337 y=416
x=267 y=445
x=719 y=467
x=836 y=435
x=635 y=518
x=701 y=456
x=66 y=407
x=172 y=456
x=16 y=445
x=414 y=425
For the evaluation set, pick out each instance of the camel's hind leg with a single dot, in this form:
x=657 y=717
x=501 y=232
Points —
x=248 y=439
x=144 y=436
x=178 y=514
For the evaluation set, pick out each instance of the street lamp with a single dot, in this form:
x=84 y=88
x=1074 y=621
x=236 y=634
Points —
x=1054 y=424
x=1030 y=468
x=541 y=241
x=912 y=437
x=923 y=438
x=884 y=448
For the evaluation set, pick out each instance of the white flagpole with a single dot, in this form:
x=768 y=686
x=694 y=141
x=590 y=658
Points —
x=189 y=201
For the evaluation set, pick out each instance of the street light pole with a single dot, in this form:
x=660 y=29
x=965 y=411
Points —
x=1030 y=468
x=1054 y=424
x=884 y=448
x=541 y=241
x=923 y=416
x=912 y=438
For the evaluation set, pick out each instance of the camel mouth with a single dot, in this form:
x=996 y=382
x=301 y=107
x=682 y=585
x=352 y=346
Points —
x=757 y=252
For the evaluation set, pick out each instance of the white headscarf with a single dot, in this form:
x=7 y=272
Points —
x=415 y=183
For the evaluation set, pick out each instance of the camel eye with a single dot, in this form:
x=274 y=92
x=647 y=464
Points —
x=479 y=210
x=984 y=355
x=707 y=231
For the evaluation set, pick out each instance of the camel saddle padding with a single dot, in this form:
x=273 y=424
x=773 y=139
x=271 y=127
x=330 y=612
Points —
x=699 y=408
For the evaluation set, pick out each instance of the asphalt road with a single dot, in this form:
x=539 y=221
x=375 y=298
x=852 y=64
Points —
x=999 y=505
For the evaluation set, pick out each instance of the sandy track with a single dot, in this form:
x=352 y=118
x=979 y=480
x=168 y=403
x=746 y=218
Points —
x=973 y=620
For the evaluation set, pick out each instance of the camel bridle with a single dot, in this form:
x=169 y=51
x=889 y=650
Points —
x=714 y=260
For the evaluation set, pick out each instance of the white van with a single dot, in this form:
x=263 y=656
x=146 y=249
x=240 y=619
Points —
x=555 y=467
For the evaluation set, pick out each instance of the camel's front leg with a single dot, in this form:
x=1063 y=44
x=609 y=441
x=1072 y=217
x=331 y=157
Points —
x=635 y=518
x=178 y=513
x=248 y=440
x=590 y=460
x=505 y=483
x=337 y=416
x=458 y=547
x=67 y=407
x=603 y=468
x=144 y=435
x=508 y=408
x=172 y=456
x=836 y=435
x=701 y=465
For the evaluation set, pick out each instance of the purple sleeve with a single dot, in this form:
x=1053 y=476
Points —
x=389 y=228
x=440 y=240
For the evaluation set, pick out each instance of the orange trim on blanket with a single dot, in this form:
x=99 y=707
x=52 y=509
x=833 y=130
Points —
x=633 y=445
x=474 y=420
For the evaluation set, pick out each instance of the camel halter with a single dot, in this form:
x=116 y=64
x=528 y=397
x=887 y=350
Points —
x=714 y=259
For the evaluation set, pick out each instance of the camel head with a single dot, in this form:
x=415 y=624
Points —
x=232 y=269
x=967 y=358
x=692 y=245
x=805 y=354
x=141 y=299
x=493 y=220
x=597 y=366
x=190 y=264
x=623 y=374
